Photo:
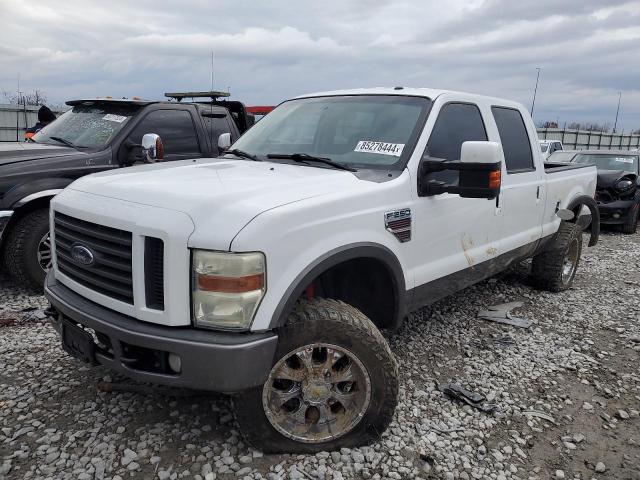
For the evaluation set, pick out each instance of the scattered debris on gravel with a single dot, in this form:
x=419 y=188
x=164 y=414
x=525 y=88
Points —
x=567 y=391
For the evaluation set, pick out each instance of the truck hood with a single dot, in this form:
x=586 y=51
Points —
x=220 y=196
x=608 y=178
x=14 y=152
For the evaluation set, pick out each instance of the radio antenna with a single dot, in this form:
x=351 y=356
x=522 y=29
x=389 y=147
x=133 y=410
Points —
x=211 y=70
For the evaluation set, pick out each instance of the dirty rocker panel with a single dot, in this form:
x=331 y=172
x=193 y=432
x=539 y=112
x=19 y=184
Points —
x=431 y=292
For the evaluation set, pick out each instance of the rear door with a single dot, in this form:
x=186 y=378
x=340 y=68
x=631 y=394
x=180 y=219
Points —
x=216 y=122
x=522 y=197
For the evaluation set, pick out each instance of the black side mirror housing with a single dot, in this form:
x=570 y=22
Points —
x=480 y=172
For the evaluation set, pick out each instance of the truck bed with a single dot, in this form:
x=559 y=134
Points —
x=553 y=167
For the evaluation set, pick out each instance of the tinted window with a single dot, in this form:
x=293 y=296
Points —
x=216 y=125
x=457 y=123
x=515 y=140
x=175 y=128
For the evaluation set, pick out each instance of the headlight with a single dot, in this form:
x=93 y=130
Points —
x=227 y=288
x=624 y=185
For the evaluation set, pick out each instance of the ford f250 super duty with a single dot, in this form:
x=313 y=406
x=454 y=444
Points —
x=271 y=271
x=96 y=135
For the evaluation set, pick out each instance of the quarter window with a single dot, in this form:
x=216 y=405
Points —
x=515 y=140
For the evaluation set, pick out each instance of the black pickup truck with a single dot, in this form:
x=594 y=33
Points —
x=96 y=135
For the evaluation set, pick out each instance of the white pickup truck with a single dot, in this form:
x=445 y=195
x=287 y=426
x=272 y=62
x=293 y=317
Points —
x=271 y=271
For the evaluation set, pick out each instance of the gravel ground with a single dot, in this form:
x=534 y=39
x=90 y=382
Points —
x=577 y=366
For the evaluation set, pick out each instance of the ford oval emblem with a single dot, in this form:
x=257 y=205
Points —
x=82 y=255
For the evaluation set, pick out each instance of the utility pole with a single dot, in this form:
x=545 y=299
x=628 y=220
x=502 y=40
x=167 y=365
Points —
x=535 y=90
x=615 y=124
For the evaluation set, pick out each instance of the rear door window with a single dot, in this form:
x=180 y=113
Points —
x=515 y=140
x=216 y=124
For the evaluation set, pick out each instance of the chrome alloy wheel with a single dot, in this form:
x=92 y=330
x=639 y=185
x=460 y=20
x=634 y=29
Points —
x=570 y=261
x=316 y=393
x=44 y=252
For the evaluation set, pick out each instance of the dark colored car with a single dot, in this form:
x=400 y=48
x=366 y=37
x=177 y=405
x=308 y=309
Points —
x=95 y=135
x=617 y=191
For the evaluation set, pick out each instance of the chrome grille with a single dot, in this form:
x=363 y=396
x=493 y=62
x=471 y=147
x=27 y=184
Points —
x=109 y=271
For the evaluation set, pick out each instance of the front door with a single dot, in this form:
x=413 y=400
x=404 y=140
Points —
x=452 y=235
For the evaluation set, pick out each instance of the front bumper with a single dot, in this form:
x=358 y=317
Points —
x=617 y=212
x=215 y=361
x=5 y=216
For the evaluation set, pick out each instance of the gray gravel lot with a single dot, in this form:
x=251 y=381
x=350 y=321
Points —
x=578 y=365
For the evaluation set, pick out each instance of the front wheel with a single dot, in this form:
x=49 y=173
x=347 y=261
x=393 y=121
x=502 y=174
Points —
x=27 y=251
x=333 y=384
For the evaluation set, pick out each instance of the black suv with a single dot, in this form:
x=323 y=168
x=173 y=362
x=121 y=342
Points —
x=96 y=135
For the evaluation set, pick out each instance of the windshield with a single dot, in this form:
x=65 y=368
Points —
x=628 y=163
x=561 y=157
x=544 y=147
x=87 y=126
x=364 y=131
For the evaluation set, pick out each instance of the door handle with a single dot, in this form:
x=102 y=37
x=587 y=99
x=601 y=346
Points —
x=538 y=192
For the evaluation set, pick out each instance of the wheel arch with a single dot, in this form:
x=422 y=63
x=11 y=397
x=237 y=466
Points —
x=27 y=204
x=363 y=251
x=576 y=205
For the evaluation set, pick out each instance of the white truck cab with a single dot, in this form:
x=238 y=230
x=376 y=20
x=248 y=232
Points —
x=270 y=271
x=547 y=147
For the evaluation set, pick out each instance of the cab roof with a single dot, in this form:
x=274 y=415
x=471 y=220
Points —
x=128 y=101
x=431 y=93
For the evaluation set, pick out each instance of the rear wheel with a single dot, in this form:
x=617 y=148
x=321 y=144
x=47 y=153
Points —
x=334 y=383
x=555 y=268
x=27 y=251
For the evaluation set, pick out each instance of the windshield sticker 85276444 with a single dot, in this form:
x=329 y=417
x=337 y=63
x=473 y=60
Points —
x=383 y=148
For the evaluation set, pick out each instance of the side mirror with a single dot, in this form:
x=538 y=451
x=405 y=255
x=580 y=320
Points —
x=480 y=172
x=152 y=149
x=224 y=141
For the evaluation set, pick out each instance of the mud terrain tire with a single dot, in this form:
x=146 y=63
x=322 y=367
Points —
x=325 y=322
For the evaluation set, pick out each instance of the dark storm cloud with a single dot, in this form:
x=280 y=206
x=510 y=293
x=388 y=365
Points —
x=268 y=51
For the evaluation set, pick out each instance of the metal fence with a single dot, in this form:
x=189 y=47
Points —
x=585 y=139
x=15 y=119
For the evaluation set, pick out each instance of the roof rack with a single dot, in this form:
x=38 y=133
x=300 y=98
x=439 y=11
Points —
x=213 y=95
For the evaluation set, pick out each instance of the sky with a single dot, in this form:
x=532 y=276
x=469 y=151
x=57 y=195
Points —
x=265 y=52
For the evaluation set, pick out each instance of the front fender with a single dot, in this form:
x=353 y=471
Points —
x=334 y=257
x=24 y=193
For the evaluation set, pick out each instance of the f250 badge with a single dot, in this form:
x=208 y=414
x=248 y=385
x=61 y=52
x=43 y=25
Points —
x=398 y=223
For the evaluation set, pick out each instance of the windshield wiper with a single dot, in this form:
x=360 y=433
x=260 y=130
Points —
x=65 y=141
x=303 y=157
x=242 y=154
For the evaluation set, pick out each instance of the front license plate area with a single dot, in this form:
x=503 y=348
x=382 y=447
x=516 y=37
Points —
x=77 y=342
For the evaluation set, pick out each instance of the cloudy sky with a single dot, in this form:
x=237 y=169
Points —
x=267 y=51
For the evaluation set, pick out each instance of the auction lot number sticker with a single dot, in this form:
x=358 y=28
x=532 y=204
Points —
x=114 y=118
x=383 y=148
